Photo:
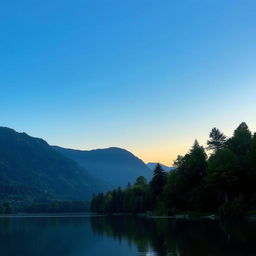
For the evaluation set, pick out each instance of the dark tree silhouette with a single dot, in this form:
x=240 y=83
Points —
x=158 y=181
x=223 y=184
x=217 y=140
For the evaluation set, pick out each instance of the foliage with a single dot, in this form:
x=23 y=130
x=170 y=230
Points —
x=31 y=169
x=158 y=183
x=234 y=209
x=222 y=173
x=223 y=183
x=58 y=207
x=217 y=140
x=5 y=208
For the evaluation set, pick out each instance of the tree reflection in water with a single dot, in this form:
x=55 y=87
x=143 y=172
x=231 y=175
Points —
x=111 y=236
x=164 y=237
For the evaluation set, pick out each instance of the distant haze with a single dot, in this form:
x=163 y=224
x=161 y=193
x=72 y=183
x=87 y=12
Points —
x=164 y=167
x=114 y=166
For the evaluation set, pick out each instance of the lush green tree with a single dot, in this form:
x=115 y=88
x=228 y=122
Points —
x=184 y=189
x=197 y=161
x=141 y=181
x=173 y=188
x=225 y=182
x=193 y=164
x=2 y=209
x=252 y=157
x=7 y=208
x=158 y=182
x=98 y=203
x=240 y=143
x=251 y=179
x=222 y=174
x=217 y=140
x=116 y=204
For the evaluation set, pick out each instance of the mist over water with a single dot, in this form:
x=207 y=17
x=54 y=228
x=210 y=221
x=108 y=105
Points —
x=122 y=235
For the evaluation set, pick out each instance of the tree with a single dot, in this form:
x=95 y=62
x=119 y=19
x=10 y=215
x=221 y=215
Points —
x=217 y=140
x=240 y=143
x=251 y=180
x=173 y=189
x=222 y=174
x=225 y=181
x=158 y=181
x=7 y=208
x=253 y=155
x=188 y=182
x=141 y=181
x=197 y=161
x=193 y=164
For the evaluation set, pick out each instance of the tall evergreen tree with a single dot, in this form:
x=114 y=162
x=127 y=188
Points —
x=222 y=174
x=198 y=159
x=158 y=181
x=217 y=140
x=141 y=181
x=188 y=181
x=224 y=183
x=253 y=155
x=240 y=143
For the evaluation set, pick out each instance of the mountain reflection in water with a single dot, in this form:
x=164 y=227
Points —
x=124 y=236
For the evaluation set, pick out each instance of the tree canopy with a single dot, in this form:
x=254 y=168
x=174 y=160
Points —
x=223 y=184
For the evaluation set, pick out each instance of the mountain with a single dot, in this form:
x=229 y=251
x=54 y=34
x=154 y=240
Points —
x=113 y=165
x=166 y=168
x=30 y=170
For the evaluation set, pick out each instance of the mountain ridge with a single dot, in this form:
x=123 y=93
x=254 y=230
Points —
x=29 y=164
x=166 y=168
x=32 y=170
x=107 y=163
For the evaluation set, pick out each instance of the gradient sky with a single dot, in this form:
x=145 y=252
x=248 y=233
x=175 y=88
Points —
x=146 y=75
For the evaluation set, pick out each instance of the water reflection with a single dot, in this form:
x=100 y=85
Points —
x=125 y=236
x=164 y=237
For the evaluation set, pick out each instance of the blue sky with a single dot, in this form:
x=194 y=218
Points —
x=149 y=76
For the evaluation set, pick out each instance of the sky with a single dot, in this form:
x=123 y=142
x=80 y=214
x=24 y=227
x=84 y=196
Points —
x=150 y=76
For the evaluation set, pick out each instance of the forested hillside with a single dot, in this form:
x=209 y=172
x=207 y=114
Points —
x=31 y=170
x=115 y=166
x=222 y=181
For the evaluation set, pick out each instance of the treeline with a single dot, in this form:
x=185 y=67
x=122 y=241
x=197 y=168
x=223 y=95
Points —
x=222 y=182
x=58 y=207
x=5 y=208
x=44 y=207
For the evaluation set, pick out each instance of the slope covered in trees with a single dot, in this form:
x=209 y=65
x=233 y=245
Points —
x=30 y=170
x=115 y=166
x=221 y=182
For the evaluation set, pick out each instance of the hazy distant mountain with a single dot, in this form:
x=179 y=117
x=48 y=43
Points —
x=166 y=168
x=31 y=169
x=115 y=166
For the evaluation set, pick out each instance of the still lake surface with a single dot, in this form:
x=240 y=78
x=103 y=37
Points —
x=124 y=235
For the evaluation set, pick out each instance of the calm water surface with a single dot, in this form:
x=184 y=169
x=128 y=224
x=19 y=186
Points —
x=112 y=236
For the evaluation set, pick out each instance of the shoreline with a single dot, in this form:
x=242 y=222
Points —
x=88 y=214
x=49 y=215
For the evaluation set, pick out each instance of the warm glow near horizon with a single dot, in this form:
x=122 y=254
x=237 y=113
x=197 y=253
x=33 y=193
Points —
x=148 y=77
x=166 y=149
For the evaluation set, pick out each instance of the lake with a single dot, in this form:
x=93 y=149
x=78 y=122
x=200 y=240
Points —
x=124 y=235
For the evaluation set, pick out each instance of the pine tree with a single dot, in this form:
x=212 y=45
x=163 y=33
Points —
x=217 y=140
x=158 y=181
x=240 y=143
